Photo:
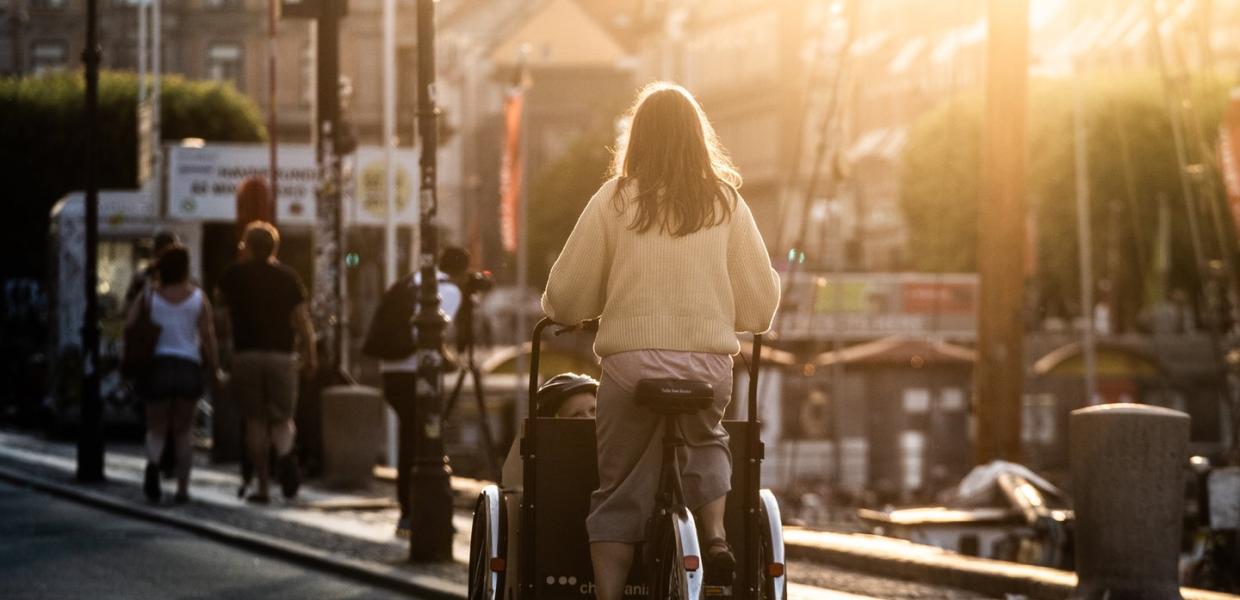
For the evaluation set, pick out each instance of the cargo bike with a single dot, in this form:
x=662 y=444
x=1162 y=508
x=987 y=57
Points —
x=529 y=542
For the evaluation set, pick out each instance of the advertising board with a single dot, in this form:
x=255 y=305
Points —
x=202 y=183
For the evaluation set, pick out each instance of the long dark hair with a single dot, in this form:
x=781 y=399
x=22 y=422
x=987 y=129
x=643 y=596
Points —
x=173 y=264
x=685 y=181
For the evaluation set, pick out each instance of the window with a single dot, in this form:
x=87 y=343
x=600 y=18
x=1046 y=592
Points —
x=221 y=4
x=224 y=64
x=916 y=400
x=1039 y=422
x=48 y=4
x=48 y=56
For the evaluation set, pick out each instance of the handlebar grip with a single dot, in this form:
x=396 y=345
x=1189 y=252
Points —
x=591 y=325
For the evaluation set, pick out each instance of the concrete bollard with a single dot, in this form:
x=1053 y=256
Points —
x=1128 y=488
x=352 y=434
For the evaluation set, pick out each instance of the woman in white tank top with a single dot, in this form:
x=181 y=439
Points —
x=175 y=380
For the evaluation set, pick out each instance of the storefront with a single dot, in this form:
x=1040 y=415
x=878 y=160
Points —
x=200 y=207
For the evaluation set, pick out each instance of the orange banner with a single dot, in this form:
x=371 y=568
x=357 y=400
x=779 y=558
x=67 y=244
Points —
x=1229 y=162
x=510 y=170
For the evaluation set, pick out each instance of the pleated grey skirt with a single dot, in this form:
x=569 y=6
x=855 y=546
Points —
x=630 y=441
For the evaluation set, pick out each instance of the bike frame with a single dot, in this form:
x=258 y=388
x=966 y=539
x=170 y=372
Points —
x=752 y=474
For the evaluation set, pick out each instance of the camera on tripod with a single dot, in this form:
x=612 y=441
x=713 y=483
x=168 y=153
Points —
x=478 y=282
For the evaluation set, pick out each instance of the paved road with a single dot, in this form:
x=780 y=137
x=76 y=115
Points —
x=56 y=549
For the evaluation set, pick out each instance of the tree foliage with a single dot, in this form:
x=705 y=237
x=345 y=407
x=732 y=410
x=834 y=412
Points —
x=1132 y=170
x=558 y=194
x=43 y=144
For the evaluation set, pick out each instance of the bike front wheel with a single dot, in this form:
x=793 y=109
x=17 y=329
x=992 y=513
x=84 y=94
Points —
x=487 y=546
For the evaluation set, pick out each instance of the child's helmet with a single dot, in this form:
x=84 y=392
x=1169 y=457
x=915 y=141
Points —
x=556 y=390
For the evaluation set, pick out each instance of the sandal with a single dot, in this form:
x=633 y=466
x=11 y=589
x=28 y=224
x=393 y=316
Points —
x=258 y=499
x=720 y=562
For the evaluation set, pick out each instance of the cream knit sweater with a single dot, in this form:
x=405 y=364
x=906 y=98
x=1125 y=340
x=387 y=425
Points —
x=658 y=292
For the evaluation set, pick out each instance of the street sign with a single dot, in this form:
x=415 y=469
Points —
x=202 y=183
x=866 y=306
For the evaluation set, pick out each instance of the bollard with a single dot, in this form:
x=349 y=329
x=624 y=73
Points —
x=352 y=434
x=1128 y=488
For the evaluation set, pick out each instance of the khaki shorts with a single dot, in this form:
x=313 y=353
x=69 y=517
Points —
x=264 y=384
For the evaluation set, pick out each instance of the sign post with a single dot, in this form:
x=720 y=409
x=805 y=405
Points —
x=90 y=439
x=328 y=295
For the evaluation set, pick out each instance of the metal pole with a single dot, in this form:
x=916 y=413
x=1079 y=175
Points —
x=523 y=260
x=1084 y=239
x=327 y=255
x=143 y=115
x=90 y=440
x=273 y=8
x=389 y=143
x=999 y=372
x=432 y=492
x=389 y=138
x=157 y=153
x=142 y=51
x=836 y=408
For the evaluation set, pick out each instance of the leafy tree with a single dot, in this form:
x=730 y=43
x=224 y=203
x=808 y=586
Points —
x=1132 y=169
x=557 y=196
x=42 y=144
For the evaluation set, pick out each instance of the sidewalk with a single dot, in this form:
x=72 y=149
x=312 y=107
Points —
x=343 y=532
x=354 y=533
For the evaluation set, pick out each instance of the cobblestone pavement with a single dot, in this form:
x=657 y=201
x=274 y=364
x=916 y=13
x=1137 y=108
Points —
x=355 y=525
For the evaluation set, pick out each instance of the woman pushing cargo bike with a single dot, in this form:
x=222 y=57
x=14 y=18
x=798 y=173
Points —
x=668 y=259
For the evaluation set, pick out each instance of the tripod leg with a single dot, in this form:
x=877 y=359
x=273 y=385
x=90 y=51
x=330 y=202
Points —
x=488 y=442
x=452 y=398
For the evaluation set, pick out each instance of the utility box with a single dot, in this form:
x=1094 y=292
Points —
x=353 y=434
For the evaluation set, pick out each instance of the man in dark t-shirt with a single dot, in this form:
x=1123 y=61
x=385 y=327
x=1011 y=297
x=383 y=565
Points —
x=267 y=310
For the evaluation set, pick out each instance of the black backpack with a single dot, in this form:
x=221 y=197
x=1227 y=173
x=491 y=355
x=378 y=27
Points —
x=390 y=336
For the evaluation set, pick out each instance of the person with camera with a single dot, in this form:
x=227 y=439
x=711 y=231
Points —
x=393 y=340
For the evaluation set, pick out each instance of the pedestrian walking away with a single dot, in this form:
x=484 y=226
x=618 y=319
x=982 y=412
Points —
x=266 y=309
x=143 y=280
x=392 y=339
x=667 y=255
x=173 y=381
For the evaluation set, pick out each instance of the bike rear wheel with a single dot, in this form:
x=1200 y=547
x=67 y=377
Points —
x=674 y=562
x=773 y=578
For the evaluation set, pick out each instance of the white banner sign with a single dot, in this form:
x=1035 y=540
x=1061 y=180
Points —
x=202 y=183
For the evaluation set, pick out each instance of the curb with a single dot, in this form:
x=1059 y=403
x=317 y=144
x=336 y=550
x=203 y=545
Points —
x=899 y=559
x=378 y=575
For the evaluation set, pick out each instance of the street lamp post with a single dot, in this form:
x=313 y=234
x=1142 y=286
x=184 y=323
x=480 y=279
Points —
x=430 y=486
x=90 y=438
x=328 y=243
